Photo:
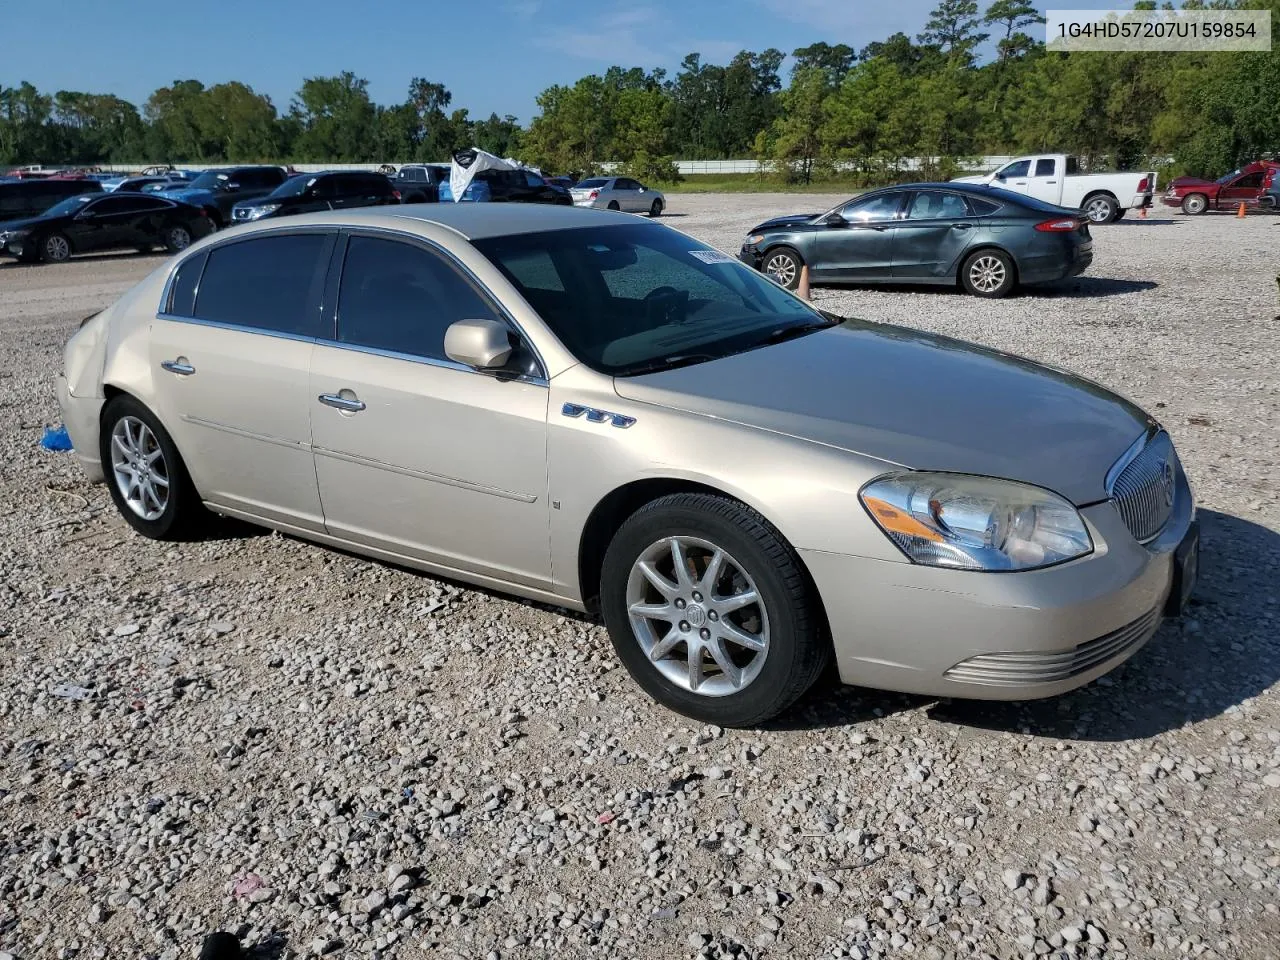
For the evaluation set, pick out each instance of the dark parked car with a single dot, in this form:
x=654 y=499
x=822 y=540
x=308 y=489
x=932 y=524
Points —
x=511 y=186
x=308 y=192
x=21 y=199
x=1246 y=185
x=420 y=182
x=987 y=240
x=217 y=191
x=100 y=221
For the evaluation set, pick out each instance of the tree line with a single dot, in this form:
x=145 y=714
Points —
x=842 y=107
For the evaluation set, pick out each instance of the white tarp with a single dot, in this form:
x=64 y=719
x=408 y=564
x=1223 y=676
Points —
x=460 y=177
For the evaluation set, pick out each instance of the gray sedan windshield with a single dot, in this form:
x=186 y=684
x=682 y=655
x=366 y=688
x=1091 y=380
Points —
x=631 y=299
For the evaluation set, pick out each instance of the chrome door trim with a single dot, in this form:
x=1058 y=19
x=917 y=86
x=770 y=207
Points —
x=420 y=475
x=178 y=367
x=247 y=434
x=429 y=361
x=345 y=404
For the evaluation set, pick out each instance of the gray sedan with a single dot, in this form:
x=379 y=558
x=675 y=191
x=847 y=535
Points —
x=597 y=412
x=618 y=193
x=986 y=240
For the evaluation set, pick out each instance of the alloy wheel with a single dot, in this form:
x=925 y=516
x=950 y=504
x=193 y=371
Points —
x=698 y=616
x=56 y=248
x=987 y=274
x=782 y=268
x=1098 y=210
x=179 y=238
x=139 y=468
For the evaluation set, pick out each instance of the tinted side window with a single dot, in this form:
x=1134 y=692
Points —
x=982 y=208
x=873 y=209
x=1249 y=180
x=1019 y=169
x=109 y=205
x=270 y=283
x=1045 y=167
x=400 y=297
x=935 y=205
x=182 y=293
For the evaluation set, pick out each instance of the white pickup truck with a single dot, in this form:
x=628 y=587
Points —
x=1056 y=178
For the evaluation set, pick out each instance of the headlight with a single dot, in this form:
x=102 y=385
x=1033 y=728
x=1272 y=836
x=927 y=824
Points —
x=758 y=238
x=975 y=523
x=261 y=211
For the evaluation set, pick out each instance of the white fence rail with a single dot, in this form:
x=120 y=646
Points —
x=686 y=167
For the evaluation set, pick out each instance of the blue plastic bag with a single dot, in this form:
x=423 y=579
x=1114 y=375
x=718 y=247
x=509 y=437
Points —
x=55 y=438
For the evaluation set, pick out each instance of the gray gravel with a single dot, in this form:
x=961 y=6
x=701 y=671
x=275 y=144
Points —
x=333 y=757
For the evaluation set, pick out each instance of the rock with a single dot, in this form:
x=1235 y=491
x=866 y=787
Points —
x=1013 y=879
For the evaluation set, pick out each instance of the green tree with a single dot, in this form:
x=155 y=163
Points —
x=1013 y=15
x=953 y=28
x=794 y=142
x=336 y=119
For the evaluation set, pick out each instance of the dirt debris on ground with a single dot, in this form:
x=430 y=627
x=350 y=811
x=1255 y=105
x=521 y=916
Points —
x=332 y=757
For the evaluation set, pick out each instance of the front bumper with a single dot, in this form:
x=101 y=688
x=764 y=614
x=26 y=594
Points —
x=81 y=417
x=1001 y=636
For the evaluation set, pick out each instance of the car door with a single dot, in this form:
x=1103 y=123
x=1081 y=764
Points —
x=417 y=455
x=231 y=357
x=857 y=244
x=1015 y=176
x=1244 y=188
x=930 y=240
x=1045 y=180
x=147 y=218
x=103 y=224
x=629 y=196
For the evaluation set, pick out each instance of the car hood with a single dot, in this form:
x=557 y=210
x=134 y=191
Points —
x=1192 y=182
x=8 y=226
x=187 y=195
x=915 y=399
x=792 y=220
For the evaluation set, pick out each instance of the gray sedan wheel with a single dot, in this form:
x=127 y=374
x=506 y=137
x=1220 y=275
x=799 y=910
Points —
x=55 y=248
x=783 y=265
x=655 y=209
x=988 y=273
x=709 y=611
x=177 y=238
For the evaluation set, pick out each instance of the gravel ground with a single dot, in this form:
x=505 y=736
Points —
x=331 y=756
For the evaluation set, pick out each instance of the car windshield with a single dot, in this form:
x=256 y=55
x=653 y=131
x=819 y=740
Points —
x=1230 y=176
x=294 y=186
x=597 y=182
x=69 y=205
x=638 y=298
x=209 y=180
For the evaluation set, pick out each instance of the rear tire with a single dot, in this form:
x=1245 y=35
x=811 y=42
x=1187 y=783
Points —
x=1100 y=208
x=989 y=273
x=1119 y=215
x=613 y=205
x=1195 y=204
x=785 y=648
x=656 y=209
x=55 y=248
x=147 y=479
x=783 y=265
x=177 y=238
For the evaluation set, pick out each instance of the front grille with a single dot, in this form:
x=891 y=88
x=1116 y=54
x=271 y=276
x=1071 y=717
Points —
x=1143 y=491
x=1018 y=669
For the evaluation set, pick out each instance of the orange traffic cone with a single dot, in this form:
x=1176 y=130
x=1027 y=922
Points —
x=1142 y=214
x=1240 y=213
x=802 y=287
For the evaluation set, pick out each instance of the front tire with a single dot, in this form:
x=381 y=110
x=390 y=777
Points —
x=783 y=265
x=177 y=239
x=1195 y=204
x=148 y=481
x=55 y=248
x=710 y=611
x=1100 y=208
x=989 y=273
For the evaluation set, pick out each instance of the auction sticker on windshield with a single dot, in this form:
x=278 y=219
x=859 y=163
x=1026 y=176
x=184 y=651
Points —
x=711 y=256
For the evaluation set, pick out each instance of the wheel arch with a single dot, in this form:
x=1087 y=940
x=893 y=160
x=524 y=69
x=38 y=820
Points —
x=1099 y=193
x=979 y=248
x=612 y=510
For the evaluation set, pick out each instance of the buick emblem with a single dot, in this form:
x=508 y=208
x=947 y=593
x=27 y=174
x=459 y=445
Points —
x=695 y=615
x=1167 y=482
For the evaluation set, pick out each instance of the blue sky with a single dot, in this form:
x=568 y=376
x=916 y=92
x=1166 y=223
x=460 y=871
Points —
x=494 y=55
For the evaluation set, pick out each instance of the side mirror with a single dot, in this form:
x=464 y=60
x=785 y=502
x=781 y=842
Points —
x=837 y=220
x=483 y=344
x=1000 y=175
x=231 y=185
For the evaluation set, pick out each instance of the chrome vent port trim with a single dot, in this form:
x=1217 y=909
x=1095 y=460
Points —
x=1142 y=486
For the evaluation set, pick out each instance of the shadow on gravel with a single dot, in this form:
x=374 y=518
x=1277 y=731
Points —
x=1089 y=287
x=1223 y=652
x=81 y=258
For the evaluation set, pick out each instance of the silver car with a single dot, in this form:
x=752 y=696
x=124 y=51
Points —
x=605 y=414
x=618 y=193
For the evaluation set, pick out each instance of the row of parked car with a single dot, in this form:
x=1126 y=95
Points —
x=51 y=218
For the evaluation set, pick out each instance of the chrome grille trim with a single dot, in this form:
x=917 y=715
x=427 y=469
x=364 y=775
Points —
x=1142 y=488
x=1019 y=669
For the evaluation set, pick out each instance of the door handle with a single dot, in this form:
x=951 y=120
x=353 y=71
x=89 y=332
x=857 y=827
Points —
x=1051 y=181
x=349 y=404
x=962 y=226
x=179 y=366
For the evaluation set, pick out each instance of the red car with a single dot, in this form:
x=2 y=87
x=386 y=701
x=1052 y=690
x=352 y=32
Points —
x=1245 y=185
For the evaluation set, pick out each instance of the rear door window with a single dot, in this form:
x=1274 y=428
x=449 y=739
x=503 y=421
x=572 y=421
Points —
x=267 y=283
x=1045 y=167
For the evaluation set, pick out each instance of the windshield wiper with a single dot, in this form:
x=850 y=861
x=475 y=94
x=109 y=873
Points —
x=799 y=330
x=667 y=363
